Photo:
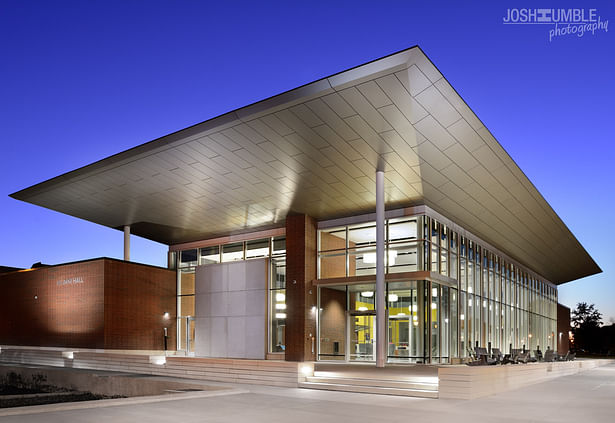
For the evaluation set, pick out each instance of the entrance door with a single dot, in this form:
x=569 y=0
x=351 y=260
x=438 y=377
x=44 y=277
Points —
x=186 y=333
x=362 y=334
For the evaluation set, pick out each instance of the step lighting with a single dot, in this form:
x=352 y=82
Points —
x=280 y=306
x=280 y=297
x=280 y=315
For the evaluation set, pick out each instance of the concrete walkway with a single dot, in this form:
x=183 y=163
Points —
x=585 y=397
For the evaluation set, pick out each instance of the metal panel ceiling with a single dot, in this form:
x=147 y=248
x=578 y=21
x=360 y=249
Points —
x=315 y=150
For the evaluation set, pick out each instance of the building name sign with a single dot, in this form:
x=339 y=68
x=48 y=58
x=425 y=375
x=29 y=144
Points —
x=70 y=281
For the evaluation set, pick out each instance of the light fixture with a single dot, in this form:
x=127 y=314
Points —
x=166 y=315
x=367 y=294
x=307 y=370
x=434 y=306
x=362 y=308
x=415 y=318
x=401 y=314
x=462 y=317
x=280 y=297
x=415 y=323
x=370 y=258
x=313 y=309
x=280 y=306
x=434 y=292
x=280 y=315
x=469 y=290
x=393 y=298
x=446 y=320
x=157 y=359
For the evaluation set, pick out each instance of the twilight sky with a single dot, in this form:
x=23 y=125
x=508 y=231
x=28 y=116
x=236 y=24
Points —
x=84 y=80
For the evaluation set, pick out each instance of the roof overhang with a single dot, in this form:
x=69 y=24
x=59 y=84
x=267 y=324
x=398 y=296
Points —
x=315 y=150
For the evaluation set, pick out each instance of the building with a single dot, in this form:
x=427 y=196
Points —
x=304 y=226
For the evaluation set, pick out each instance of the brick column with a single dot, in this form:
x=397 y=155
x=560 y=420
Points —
x=300 y=294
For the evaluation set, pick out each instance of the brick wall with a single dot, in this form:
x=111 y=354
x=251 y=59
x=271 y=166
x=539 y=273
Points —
x=563 y=327
x=136 y=298
x=100 y=303
x=54 y=306
x=300 y=294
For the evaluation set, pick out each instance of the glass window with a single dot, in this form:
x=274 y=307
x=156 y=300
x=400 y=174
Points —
x=210 y=255
x=258 y=248
x=232 y=252
x=279 y=245
x=332 y=264
x=186 y=282
x=361 y=235
x=278 y=272
x=402 y=230
x=277 y=329
x=332 y=239
x=361 y=261
x=402 y=257
x=188 y=258
x=362 y=297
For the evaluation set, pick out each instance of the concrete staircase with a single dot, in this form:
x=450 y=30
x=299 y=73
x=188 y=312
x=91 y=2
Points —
x=371 y=381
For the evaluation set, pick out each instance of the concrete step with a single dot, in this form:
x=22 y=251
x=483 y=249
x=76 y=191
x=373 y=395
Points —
x=370 y=389
x=381 y=383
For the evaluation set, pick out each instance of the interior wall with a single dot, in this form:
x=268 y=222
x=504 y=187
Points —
x=332 y=322
x=335 y=267
x=231 y=309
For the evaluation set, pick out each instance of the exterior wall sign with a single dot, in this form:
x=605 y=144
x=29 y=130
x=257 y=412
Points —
x=70 y=281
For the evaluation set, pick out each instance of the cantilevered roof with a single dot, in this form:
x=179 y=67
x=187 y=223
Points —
x=315 y=150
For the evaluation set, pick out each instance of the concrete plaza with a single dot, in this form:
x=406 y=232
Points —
x=586 y=397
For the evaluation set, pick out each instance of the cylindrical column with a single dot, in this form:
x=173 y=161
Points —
x=127 y=242
x=381 y=329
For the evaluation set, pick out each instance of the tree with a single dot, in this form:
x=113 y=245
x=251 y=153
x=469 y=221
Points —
x=586 y=316
x=586 y=321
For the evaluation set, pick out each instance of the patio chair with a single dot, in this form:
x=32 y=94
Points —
x=497 y=355
x=549 y=356
x=523 y=357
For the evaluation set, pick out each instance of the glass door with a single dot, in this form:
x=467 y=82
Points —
x=406 y=322
x=186 y=326
x=361 y=322
x=362 y=332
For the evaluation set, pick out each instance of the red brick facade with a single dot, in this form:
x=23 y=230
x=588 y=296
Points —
x=301 y=334
x=100 y=303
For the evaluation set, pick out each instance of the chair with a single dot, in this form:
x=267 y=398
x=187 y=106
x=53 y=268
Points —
x=549 y=356
x=523 y=357
x=497 y=355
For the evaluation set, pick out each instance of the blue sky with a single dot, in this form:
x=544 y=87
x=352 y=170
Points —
x=84 y=80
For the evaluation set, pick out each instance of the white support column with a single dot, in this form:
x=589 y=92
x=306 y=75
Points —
x=127 y=242
x=381 y=324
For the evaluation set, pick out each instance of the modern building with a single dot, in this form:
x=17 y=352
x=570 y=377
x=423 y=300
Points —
x=367 y=216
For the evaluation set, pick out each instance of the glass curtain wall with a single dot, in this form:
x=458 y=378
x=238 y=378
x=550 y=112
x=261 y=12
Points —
x=494 y=302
